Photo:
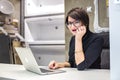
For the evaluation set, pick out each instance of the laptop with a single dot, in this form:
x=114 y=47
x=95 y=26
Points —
x=4 y=78
x=28 y=60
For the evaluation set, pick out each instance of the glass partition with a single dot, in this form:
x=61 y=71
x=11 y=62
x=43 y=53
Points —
x=101 y=20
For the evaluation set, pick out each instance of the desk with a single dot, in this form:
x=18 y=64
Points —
x=18 y=72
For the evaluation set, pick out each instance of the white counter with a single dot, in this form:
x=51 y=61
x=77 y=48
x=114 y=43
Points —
x=18 y=72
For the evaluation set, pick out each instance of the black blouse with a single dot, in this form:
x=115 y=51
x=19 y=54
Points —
x=92 y=47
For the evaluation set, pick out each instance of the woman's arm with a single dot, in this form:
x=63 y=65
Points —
x=92 y=53
x=55 y=65
x=79 y=54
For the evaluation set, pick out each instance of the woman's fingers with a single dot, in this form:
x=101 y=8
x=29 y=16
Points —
x=80 y=32
x=51 y=64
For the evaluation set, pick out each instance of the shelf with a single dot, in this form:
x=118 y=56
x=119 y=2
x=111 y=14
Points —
x=48 y=42
x=43 y=7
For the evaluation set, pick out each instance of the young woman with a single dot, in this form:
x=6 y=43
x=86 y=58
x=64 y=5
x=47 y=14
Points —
x=85 y=47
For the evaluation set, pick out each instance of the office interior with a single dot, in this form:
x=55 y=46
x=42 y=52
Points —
x=41 y=24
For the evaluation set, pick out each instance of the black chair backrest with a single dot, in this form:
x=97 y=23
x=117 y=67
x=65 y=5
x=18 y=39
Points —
x=105 y=55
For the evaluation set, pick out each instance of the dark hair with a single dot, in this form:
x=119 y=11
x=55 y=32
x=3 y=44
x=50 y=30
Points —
x=78 y=14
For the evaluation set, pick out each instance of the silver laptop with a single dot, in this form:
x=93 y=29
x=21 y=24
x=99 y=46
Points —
x=28 y=60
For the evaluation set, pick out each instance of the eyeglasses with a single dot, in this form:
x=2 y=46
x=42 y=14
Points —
x=75 y=23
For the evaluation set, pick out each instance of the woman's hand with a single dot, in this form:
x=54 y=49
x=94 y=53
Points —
x=56 y=65
x=80 y=32
x=53 y=65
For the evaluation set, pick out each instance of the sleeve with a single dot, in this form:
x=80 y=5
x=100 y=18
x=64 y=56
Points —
x=91 y=54
x=71 y=52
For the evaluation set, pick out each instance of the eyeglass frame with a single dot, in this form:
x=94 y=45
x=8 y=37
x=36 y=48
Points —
x=74 y=23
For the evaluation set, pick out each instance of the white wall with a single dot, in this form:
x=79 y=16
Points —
x=114 y=39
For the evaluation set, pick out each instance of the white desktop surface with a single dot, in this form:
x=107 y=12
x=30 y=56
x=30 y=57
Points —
x=18 y=72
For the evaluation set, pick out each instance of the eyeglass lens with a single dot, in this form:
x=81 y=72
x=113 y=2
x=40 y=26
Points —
x=75 y=23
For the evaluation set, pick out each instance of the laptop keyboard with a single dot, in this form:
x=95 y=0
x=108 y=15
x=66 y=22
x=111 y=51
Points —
x=45 y=70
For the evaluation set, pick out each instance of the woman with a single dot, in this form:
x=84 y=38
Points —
x=85 y=47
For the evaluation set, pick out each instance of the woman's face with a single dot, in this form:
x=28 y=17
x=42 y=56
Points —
x=73 y=25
